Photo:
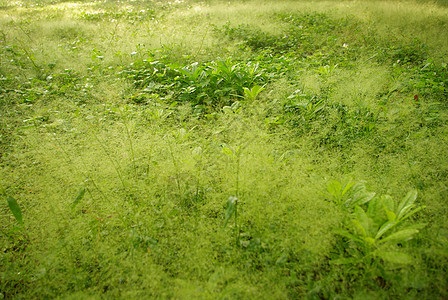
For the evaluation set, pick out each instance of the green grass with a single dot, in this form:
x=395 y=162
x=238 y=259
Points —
x=230 y=150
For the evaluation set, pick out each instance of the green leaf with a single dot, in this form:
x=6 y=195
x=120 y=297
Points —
x=400 y=236
x=407 y=203
x=360 y=198
x=375 y=207
x=252 y=93
x=359 y=188
x=79 y=197
x=362 y=221
x=334 y=189
x=384 y=228
x=227 y=151
x=359 y=229
x=15 y=209
x=391 y=216
x=347 y=186
x=369 y=241
x=230 y=209
x=388 y=202
x=412 y=213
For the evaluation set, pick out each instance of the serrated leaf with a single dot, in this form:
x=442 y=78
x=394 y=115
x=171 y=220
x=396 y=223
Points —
x=79 y=197
x=15 y=209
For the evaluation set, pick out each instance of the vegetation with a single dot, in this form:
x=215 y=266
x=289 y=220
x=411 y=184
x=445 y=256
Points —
x=223 y=150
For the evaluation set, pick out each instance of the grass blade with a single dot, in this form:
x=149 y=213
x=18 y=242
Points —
x=79 y=197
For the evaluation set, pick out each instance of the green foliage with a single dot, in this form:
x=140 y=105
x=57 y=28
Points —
x=231 y=210
x=210 y=83
x=164 y=109
x=348 y=194
x=376 y=232
x=304 y=35
x=132 y=15
x=79 y=197
x=431 y=81
x=15 y=209
x=250 y=37
x=413 y=54
x=307 y=113
x=251 y=94
x=307 y=108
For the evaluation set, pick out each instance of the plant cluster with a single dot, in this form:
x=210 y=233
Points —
x=375 y=231
x=212 y=84
x=375 y=225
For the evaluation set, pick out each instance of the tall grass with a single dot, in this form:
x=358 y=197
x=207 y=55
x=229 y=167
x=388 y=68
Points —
x=127 y=127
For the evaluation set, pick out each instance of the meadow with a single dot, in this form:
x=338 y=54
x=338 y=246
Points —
x=212 y=149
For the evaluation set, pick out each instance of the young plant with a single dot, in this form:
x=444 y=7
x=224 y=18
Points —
x=348 y=194
x=251 y=94
x=308 y=107
x=232 y=201
x=376 y=232
x=232 y=211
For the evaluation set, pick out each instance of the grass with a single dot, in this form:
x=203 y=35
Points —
x=208 y=149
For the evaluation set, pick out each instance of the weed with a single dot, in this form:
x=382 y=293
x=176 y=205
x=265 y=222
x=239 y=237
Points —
x=251 y=94
x=378 y=232
x=348 y=194
x=307 y=107
x=200 y=84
